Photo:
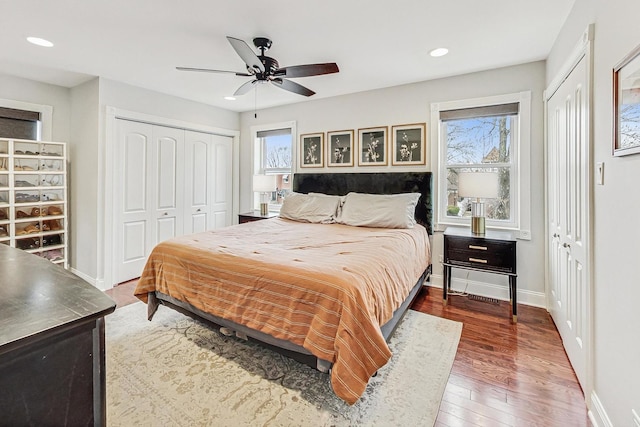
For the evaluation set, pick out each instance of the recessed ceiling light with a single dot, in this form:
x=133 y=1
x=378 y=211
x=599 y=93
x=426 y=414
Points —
x=230 y=98
x=40 y=42
x=441 y=51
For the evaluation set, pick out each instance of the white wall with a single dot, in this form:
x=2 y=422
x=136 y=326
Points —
x=24 y=90
x=121 y=95
x=411 y=104
x=83 y=176
x=616 y=241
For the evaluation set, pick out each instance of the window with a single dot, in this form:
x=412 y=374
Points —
x=273 y=156
x=484 y=135
x=43 y=123
x=19 y=124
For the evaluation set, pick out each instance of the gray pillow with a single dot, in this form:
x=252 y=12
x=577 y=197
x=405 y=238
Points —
x=310 y=208
x=379 y=210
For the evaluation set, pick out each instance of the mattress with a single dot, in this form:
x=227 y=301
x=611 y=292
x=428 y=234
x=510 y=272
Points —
x=324 y=287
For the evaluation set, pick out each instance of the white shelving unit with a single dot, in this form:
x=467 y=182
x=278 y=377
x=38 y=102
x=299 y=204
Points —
x=33 y=197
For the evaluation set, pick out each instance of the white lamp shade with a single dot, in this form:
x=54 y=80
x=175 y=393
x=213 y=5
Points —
x=264 y=183
x=481 y=185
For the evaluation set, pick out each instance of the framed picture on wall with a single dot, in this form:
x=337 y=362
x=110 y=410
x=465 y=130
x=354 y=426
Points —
x=372 y=149
x=408 y=144
x=626 y=105
x=312 y=150
x=340 y=148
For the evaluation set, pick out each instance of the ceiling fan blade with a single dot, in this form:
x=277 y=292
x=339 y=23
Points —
x=292 y=87
x=307 y=70
x=209 y=70
x=247 y=54
x=245 y=87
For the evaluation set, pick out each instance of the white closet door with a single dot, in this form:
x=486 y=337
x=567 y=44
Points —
x=133 y=198
x=568 y=210
x=208 y=185
x=222 y=181
x=168 y=180
x=198 y=181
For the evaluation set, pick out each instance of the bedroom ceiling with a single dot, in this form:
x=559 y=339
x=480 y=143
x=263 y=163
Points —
x=375 y=43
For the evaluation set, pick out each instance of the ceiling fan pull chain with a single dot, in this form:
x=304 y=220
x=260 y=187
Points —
x=255 y=104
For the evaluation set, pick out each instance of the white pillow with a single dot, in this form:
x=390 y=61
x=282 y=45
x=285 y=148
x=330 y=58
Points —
x=310 y=208
x=339 y=198
x=379 y=210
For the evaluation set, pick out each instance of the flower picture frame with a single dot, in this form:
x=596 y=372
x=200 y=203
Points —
x=340 y=148
x=626 y=105
x=408 y=146
x=312 y=150
x=372 y=150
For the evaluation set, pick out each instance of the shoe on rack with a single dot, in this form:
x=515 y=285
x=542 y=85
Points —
x=54 y=210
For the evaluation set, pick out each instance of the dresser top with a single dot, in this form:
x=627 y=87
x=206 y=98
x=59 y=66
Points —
x=38 y=298
x=490 y=234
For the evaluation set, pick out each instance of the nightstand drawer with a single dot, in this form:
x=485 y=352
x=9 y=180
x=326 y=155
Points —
x=481 y=253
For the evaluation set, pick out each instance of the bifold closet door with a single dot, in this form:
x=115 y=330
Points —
x=148 y=202
x=208 y=161
x=567 y=204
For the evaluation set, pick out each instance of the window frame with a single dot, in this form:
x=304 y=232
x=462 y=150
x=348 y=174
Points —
x=46 y=115
x=257 y=150
x=520 y=152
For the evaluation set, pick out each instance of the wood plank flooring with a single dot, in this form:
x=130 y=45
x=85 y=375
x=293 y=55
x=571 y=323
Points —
x=503 y=374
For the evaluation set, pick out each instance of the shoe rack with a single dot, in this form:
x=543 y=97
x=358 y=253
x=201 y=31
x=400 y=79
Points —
x=33 y=197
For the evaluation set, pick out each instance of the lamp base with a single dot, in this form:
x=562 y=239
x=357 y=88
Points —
x=477 y=225
x=264 y=209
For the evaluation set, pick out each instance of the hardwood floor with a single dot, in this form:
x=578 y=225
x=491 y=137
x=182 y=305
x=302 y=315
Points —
x=506 y=374
x=503 y=374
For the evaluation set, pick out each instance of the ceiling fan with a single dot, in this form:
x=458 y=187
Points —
x=266 y=69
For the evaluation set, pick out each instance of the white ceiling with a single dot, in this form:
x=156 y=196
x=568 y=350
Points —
x=376 y=43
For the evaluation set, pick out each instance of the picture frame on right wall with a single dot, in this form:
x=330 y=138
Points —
x=626 y=105
x=408 y=144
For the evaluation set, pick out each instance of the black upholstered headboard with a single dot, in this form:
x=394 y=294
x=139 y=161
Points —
x=340 y=184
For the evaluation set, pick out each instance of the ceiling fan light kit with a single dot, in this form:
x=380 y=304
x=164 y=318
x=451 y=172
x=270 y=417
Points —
x=265 y=69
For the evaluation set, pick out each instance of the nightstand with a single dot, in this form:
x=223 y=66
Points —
x=254 y=216
x=493 y=252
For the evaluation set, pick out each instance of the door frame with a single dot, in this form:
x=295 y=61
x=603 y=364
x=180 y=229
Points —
x=583 y=49
x=106 y=207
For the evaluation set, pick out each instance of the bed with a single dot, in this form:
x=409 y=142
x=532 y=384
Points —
x=329 y=295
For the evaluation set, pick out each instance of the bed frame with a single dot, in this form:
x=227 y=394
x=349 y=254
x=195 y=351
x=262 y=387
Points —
x=334 y=184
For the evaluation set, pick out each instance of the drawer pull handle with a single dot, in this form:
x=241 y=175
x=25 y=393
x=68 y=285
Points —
x=482 y=261
x=481 y=248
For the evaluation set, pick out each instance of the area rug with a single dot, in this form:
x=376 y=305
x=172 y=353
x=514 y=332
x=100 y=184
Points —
x=175 y=371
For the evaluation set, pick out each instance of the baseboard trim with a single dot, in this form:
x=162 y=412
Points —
x=491 y=290
x=95 y=282
x=597 y=414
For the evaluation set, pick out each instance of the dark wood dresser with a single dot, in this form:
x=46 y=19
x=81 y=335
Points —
x=493 y=252
x=52 y=347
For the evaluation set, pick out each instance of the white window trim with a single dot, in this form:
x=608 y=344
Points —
x=46 y=115
x=522 y=162
x=255 y=148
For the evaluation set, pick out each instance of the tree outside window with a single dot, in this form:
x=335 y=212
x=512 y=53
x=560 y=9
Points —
x=275 y=159
x=479 y=144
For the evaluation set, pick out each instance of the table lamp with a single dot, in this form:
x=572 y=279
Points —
x=264 y=184
x=478 y=185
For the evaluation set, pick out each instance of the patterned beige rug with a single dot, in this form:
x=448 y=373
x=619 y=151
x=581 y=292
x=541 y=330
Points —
x=174 y=371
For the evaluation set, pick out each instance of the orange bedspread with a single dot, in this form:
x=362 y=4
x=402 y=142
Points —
x=325 y=287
